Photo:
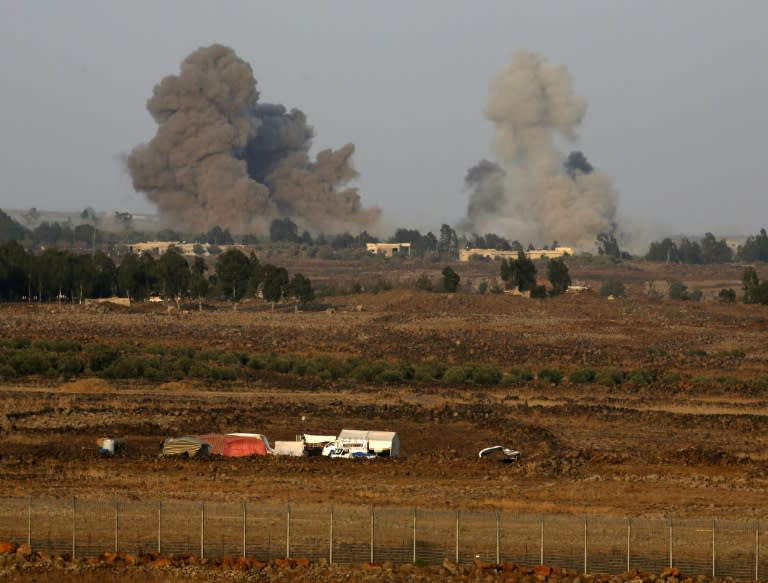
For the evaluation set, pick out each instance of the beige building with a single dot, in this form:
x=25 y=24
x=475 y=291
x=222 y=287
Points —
x=389 y=249
x=533 y=254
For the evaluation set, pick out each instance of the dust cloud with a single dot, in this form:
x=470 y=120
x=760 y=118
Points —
x=532 y=192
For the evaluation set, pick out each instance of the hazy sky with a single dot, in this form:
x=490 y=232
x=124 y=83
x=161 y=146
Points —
x=677 y=95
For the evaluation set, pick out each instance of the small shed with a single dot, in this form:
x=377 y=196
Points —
x=382 y=443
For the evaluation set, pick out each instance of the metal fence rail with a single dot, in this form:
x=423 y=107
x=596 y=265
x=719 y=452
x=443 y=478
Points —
x=356 y=534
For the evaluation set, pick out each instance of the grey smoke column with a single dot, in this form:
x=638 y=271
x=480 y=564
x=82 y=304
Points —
x=221 y=158
x=532 y=196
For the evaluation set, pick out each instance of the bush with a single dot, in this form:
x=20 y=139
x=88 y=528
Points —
x=730 y=381
x=455 y=375
x=70 y=365
x=101 y=357
x=671 y=378
x=7 y=372
x=550 y=375
x=518 y=376
x=486 y=375
x=225 y=373
x=581 y=376
x=428 y=371
x=610 y=376
x=759 y=382
x=640 y=377
x=64 y=346
x=125 y=367
x=200 y=370
x=727 y=296
x=30 y=362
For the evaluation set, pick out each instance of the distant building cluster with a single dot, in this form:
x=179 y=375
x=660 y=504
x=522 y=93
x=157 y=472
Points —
x=160 y=247
x=533 y=254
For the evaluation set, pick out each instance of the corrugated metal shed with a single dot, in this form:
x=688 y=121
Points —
x=381 y=442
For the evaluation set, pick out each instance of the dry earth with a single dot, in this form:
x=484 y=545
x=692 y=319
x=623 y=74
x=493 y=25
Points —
x=695 y=448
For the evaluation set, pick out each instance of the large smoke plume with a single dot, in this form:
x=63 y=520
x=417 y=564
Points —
x=532 y=193
x=222 y=158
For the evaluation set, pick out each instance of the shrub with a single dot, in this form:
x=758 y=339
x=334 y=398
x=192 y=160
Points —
x=550 y=375
x=101 y=357
x=258 y=361
x=200 y=370
x=428 y=371
x=7 y=372
x=380 y=286
x=225 y=373
x=727 y=296
x=390 y=374
x=640 y=377
x=486 y=375
x=759 y=382
x=125 y=367
x=424 y=283
x=30 y=362
x=64 y=346
x=671 y=378
x=581 y=375
x=280 y=364
x=518 y=376
x=455 y=375
x=729 y=381
x=70 y=365
x=157 y=349
x=228 y=358
x=610 y=376
x=20 y=342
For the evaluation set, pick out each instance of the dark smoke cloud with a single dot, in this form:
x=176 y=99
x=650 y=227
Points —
x=222 y=158
x=577 y=163
x=485 y=181
x=532 y=193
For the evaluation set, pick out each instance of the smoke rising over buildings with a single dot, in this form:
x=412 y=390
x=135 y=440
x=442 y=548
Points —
x=220 y=157
x=532 y=193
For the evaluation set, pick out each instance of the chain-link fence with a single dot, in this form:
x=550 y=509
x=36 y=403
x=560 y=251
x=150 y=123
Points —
x=356 y=534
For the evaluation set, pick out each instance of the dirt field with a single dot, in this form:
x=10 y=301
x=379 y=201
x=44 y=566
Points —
x=694 y=446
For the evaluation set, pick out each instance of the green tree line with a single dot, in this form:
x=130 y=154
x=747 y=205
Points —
x=55 y=274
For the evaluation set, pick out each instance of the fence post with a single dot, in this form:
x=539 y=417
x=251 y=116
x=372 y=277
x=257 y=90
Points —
x=457 y=537
x=414 y=535
x=74 y=525
x=330 y=539
x=498 y=553
x=585 y=545
x=117 y=524
x=288 y=531
x=373 y=519
x=629 y=543
x=541 y=539
x=714 y=524
x=670 y=540
x=159 y=525
x=202 y=530
x=757 y=550
x=29 y=521
x=245 y=523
